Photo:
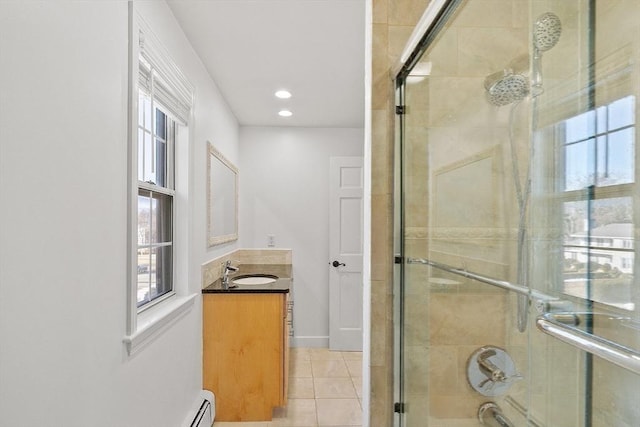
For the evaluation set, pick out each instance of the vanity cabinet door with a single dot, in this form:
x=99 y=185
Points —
x=244 y=354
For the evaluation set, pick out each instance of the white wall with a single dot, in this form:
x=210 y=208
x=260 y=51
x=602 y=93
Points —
x=284 y=191
x=63 y=213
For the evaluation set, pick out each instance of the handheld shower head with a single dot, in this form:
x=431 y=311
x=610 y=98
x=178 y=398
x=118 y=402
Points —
x=505 y=87
x=546 y=31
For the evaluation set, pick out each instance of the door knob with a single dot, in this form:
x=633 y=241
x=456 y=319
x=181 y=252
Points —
x=338 y=264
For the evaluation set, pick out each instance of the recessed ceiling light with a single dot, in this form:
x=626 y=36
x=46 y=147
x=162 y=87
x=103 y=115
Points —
x=285 y=113
x=283 y=94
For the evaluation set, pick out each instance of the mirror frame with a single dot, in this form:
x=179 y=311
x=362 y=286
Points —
x=212 y=239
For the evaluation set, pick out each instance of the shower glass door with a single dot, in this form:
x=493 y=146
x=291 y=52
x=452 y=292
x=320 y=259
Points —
x=464 y=164
x=517 y=199
x=584 y=212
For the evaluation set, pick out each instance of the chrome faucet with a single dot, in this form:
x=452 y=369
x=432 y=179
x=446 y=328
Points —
x=225 y=275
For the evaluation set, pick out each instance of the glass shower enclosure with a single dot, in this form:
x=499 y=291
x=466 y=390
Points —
x=516 y=216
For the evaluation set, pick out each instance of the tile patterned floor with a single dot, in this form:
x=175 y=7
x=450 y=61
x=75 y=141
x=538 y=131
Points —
x=325 y=389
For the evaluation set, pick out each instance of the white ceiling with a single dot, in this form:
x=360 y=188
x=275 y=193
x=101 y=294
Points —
x=313 y=48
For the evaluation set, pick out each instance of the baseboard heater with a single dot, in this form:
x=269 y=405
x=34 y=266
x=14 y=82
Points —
x=204 y=411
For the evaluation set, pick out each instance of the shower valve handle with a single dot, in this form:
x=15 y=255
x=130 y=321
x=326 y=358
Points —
x=491 y=371
x=502 y=379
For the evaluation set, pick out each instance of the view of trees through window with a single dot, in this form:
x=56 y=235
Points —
x=599 y=153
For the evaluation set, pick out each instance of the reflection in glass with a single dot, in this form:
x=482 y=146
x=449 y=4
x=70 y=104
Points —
x=161 y=124
x=146 y=278
x=161 y=271
x=579 y=164
x=611 y=160
x=160 y=162
x=161 y=218
x=153 y=144
x=580 y=127
x=599 y=249
x=620 y=159
x=622 y=112
x=154 y=245
x=144 y=220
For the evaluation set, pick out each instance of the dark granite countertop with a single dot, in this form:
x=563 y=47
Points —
x=281 y=285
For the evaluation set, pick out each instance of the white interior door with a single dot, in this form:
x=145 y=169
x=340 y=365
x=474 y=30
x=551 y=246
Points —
x=345 y=253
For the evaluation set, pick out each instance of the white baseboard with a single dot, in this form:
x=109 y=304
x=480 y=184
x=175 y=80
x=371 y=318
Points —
x=309 y=341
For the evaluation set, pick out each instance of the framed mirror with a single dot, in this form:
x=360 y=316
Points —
x=222 y=198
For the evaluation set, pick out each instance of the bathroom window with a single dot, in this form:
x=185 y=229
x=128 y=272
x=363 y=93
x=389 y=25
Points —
x=598 y=148
x=160 y=102
x=156 y=136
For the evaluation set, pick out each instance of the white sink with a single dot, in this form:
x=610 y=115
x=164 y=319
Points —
x=258 y=279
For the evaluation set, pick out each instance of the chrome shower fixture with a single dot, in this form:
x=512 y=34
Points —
x=506 y=87
x=491 y=371
x=509 y=86
x=546 y=33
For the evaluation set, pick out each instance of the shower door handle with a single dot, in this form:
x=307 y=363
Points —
x=338 y=264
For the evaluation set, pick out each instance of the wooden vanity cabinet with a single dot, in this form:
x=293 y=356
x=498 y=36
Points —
x=245 y=353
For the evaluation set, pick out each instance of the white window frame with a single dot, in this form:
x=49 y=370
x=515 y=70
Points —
x=176 y=95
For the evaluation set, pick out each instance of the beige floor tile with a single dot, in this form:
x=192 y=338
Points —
x=354 y=367
x=334 y=388
x=300 y=368
x=324 y=354
x=329 y=369
x=339 y=412
x=299 y=353
x=301 y=388
x=299 y=413
x=352 y=355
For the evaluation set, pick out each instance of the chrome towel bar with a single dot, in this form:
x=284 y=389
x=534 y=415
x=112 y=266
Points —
x=554 y=324
x=503 y=284
x=615 y=353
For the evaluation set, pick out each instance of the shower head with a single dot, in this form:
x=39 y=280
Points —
x=509 y=86
x=546 y=31
x=505 y=87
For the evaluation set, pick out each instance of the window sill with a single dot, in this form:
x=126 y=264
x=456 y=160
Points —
x=151 y=323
